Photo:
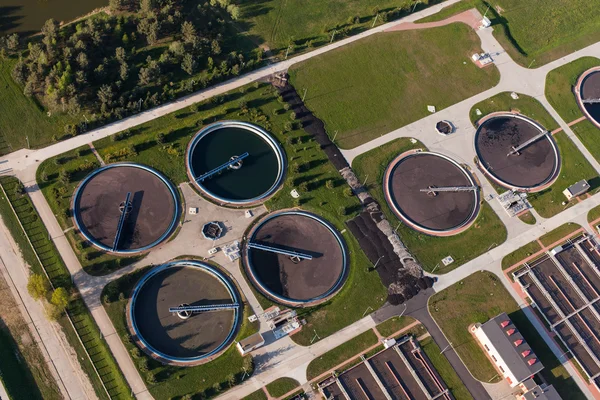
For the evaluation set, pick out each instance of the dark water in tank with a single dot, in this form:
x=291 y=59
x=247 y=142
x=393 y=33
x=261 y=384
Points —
x=258 y=172
x=28 y=16
x=594 y=110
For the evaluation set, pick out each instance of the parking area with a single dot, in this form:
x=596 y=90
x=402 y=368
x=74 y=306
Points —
x=401 y=372
x=564 y=285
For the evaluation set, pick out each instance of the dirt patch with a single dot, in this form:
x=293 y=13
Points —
x=152 y=212
x=297 y=280
x=533 y=166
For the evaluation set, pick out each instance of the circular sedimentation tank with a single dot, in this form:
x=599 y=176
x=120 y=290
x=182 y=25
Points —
x=185 y=338
x=290 y=280
x=587 y=93
x=125 y=208
x=256 y=163
x=532 y=168
x=410 y=184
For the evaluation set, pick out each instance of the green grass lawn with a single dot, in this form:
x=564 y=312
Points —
x=282 y=386
x=478 y=298
x=594 y=214
x=341 y=353
x=520 y=254
x=174 y=381
x=22 y=117
x=258 y=395
x=59 y=276
x=589 y=136
x=536 y=32
x=443 y=367
x=393 y=325
x=525 y=105
x=386 y=81
x=527 y=218
x=574 y=166
x=277 y=22
x=559 y=233
x=487 y=231
x=560 y=83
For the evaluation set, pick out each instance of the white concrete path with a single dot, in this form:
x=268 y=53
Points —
x=59 y=355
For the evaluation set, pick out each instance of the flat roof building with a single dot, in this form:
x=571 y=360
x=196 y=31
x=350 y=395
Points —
x=508 y=350
x=576 y=189
x=533 y=391
x=252 y=342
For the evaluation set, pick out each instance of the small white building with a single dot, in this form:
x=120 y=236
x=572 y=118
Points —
x=506 y=347
x=577 y=189
x=252 y=342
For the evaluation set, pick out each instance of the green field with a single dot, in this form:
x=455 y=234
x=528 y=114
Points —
x=574 y=166
x=446 y=371
x=282 y=386
x=589 y=136
x=535 y=32
x=559 y=233
x=383 y=82
x=520 y=254
x=560 y=83
x=525 y=105
x=258 y=395
x=527 y=218
x=478 y=298
x=276 y=23
x=175 y=381
x=84 y=327
x=486 y=232
x=22 y=118
x=341 y=353
x=594 y=214
x=393 y=325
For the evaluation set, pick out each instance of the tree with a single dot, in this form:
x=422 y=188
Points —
x=160 y=138
x=188 y=32
x=215 y=47
x=60 y=298
x=146 y=6
x=149 y=73
x=50 y=29
x=124 y=71
x=105 y=95
x=12 y=42
x=37 y=286
x=64 y=177
x=82 y=60
x=231 y=380
x=120 y=55
x=188 y=64
x=234 y=11
x=115 y=5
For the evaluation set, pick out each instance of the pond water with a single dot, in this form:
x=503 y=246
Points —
x=259 y=170
x=28 y=16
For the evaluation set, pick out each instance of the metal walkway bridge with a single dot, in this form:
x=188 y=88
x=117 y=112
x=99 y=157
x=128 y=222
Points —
x=434 y=190
x=221 y=168
x=204 y=308
x=516 y=150
x=124 y=213
x=590 y=101
x=277 y=250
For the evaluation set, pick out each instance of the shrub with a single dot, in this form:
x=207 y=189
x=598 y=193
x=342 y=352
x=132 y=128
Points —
x=151 y=378
x=348 y=192
x=135 y=352
x=329 y=184
x=60 y=298
x=293 y=115
x=37 y=286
